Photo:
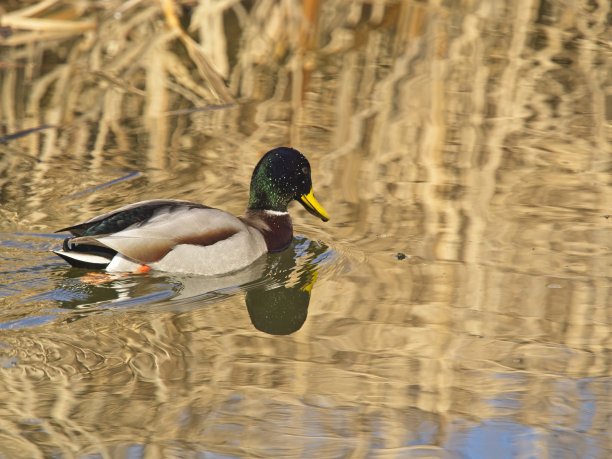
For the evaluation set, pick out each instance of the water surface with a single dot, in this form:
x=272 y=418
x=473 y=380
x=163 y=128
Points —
x=457 y=304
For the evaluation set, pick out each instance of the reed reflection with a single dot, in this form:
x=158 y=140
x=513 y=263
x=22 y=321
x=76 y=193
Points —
x=277 y=289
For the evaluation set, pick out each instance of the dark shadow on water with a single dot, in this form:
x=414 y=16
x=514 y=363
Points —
x=276 y=289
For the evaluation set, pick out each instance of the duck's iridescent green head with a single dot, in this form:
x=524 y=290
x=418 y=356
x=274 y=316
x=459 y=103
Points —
x=283 y=174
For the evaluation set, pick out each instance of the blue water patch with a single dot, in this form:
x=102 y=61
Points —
x=59 y=294
x=22 y=285
x=33 y=321
x=494 y=439
x=44 y=241
x=510 y=440
x=8 y=362
x=144 y=299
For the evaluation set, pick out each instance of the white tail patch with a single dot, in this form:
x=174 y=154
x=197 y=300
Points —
x=83 y=257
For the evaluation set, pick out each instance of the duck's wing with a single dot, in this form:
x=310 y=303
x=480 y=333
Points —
x=138 y=213
x=148 y=230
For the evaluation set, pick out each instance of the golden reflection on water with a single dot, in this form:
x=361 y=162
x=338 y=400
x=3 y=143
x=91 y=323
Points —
x=457 y=303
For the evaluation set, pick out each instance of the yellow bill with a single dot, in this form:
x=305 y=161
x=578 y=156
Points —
x=311 y=205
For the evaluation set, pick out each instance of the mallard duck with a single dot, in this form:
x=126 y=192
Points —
x=183 y=236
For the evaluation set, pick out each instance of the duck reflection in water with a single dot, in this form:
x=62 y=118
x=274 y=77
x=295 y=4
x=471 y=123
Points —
x=281 y=308
x=277 y=289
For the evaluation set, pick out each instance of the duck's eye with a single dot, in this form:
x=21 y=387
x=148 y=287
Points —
x=305 y=170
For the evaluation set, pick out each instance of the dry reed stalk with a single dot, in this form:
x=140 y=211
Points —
x=207 y=20
x=34 y=9
x=197 y=54
x=304 y=60
x=46 y=25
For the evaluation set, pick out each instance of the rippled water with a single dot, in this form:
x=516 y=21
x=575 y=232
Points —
x=458 y=302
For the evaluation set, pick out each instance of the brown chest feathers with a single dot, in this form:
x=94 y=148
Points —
x=275 y=227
